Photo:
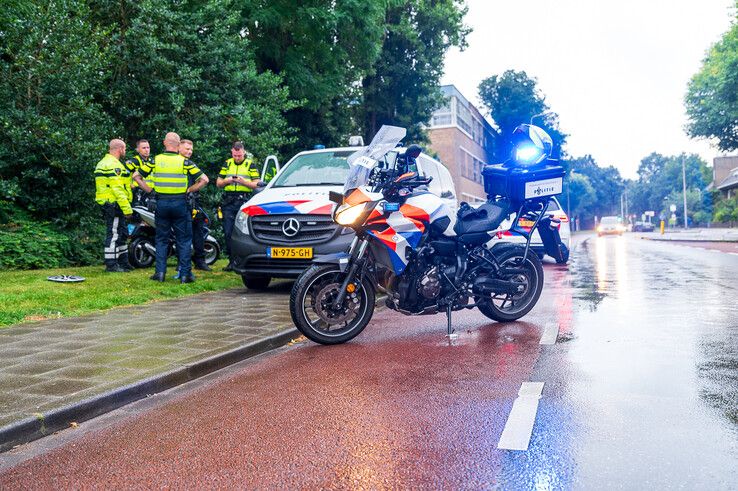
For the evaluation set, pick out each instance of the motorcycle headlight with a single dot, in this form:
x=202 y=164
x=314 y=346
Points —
x=347 y=215
x=242 y=222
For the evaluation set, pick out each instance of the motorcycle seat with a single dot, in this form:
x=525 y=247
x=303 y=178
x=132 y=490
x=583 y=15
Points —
x=485 y=218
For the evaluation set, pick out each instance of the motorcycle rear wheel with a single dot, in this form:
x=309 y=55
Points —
x=508 y=308
x=311 y=305
x=212 y=251
x=138 y=254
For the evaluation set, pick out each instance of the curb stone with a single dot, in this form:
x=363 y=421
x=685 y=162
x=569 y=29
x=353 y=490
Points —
x=43 y=424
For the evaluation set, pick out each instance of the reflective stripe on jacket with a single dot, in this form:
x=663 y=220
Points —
x=170 y=171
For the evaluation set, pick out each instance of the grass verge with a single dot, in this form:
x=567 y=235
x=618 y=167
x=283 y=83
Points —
x=29 y=296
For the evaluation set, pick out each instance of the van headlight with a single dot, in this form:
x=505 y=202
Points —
x=242 y=222
x=348 y=215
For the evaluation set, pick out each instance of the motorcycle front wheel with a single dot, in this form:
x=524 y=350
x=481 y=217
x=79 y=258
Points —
x=507 y=307
x=313 y=312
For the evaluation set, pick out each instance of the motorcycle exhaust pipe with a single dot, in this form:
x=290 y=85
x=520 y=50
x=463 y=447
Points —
x=486 y=286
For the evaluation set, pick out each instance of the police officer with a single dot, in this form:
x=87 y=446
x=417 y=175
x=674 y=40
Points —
x=143 y=155
x=171 y=172
x=238 y=178
x=199 y=217
x=112 y=194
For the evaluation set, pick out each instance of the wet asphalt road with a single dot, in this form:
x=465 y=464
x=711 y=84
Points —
x=640 y=391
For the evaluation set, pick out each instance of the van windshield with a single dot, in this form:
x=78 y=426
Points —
x=610 y=221
x=315 y=169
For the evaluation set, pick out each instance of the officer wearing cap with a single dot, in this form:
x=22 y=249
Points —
x=238 y=178
x=113 y=195
x=171 y=171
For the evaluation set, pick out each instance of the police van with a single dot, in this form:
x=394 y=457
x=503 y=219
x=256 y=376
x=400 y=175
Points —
x=280 y=230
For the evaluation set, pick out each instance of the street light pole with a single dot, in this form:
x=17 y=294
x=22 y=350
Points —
x=684 y=191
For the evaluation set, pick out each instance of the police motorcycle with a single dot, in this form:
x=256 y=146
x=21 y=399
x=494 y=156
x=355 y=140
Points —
x=142 y=246
x=427 y=259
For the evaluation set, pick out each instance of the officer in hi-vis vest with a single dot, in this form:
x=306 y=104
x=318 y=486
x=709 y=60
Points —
x=171 y=172
x=143 y=155
x=238 y=178
x=113 y=195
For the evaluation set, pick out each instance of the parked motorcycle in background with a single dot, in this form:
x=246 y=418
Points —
x=142 y=247
x=426 y=258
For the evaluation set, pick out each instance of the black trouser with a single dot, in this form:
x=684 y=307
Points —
x=173 y=214
x=198 y=238
x=231 y=205
x=116 y=236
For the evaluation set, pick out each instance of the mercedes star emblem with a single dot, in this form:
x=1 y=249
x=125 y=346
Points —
x=290 y=227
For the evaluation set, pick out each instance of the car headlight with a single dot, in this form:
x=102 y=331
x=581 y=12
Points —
x=347 y=215
x=242 y=222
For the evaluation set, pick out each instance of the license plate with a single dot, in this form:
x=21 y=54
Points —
x=290 y=252
x=526 y=223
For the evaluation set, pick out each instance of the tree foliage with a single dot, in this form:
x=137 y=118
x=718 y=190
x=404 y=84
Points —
x=512 y=99
x=659 y=185
x=712 y=96
x=403 y=87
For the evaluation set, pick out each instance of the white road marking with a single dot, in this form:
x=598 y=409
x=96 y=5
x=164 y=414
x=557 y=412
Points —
x=550 y=333
x=519 y=425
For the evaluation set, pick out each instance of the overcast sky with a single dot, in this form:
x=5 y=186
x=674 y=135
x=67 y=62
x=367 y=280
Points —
x=615 y=71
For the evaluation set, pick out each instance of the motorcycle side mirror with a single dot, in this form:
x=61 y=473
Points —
x=335 y=197
x=413 y=151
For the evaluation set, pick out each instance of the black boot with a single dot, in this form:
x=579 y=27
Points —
x=114 y=269
x=190 y=278
x=123 y=262
x=158 y=277
x=202 y=266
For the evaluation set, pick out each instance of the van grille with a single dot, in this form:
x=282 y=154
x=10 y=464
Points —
x=314 y=229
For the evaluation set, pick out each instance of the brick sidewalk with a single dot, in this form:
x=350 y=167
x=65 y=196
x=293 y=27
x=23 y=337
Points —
x=50 y=364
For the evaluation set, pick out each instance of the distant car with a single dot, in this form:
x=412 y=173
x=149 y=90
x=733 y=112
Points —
x=643 y=227
x=610 y=226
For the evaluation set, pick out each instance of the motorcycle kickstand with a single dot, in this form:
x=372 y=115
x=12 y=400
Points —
x=448 y=322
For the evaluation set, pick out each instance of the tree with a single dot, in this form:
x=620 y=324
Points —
x=322 y=49
x=187 y=66
x=660 y=177
x=712 y=95
x=512 y=99
x=403 y=86
x=52 y=123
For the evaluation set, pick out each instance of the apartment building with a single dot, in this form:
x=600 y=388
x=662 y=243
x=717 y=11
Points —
x=462 y=140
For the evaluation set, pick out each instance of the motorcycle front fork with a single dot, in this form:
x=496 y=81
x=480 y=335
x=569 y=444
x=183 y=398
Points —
x=356 y=263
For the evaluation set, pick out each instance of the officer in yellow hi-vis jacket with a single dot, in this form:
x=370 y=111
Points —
x=173 y=212
x=238 y=178
x=113 y=195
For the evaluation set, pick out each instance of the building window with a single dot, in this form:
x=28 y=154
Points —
x=441 y=119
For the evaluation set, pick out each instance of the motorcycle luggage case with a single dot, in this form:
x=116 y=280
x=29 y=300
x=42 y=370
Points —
x=522 y=183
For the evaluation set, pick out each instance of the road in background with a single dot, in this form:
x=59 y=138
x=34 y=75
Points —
x=639 y=389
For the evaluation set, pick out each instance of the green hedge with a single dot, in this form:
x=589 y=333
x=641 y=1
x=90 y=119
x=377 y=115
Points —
x=29 y=244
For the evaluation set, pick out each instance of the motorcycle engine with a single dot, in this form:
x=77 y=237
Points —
x=429 y=284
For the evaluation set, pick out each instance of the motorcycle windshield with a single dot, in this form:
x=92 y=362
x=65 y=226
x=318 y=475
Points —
x=363 y=161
